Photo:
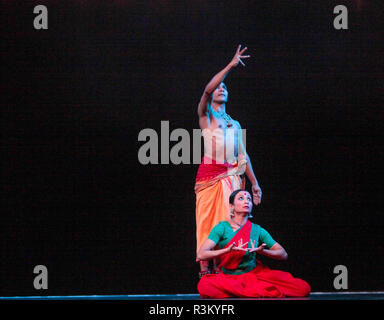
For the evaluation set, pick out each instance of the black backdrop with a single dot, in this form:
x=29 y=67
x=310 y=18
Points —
x=76 y=199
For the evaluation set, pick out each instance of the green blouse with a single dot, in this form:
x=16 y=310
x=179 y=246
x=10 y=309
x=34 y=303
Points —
x=222 y=233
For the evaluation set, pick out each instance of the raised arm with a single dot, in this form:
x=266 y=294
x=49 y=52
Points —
x=215 y=81
x=209 y=88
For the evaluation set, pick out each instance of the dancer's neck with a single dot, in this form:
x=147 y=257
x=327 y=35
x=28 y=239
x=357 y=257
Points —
x=219 y=108
x=240 y=219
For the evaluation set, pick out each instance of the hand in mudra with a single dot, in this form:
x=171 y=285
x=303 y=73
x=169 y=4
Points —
x=239 y=247
x=238 y=56
x=259 y=249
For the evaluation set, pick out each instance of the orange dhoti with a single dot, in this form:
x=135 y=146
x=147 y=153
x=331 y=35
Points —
x=214 y=184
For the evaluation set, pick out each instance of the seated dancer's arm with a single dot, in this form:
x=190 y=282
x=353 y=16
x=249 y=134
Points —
x=276 y=252
x=206 y=252
x=202 y=108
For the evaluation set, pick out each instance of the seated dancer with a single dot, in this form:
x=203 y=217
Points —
x=238 y=241
x=225 y=160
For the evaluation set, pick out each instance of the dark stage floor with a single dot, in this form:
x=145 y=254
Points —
x=370 y=295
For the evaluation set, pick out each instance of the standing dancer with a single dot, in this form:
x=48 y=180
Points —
x=225 y=160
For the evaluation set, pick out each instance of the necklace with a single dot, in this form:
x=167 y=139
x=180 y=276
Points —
x=226 y=118
x=240 y=225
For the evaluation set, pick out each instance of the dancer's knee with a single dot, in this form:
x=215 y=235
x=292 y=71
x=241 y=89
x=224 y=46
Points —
x=203 y=287
x=304 y=288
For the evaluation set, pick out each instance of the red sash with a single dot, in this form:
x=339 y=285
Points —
x=209 y=169
x=231 y=260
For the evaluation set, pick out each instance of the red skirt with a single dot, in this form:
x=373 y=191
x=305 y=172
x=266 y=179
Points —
x=261 y=282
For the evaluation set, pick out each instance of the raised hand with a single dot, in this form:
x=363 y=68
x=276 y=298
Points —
x=238 y=56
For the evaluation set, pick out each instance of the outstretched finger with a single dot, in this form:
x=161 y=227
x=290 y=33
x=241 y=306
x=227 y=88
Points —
x=241 y=52
x=242 y=62
x=244 y=244
x=242 y=57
